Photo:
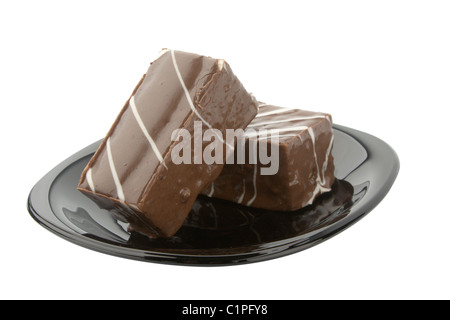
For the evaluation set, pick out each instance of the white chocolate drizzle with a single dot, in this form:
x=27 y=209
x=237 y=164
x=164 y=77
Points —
x=268 y=113
x=320 y=181
x=89 y=180
x=286 y=120
x=145 y=131
x=189 y=99
x=221 y=65
x=313 y=140
x=251 y=134
x=186 y=92
x=119 y=189
x=325 y=164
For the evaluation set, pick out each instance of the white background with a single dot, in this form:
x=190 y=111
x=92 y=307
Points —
x=383 y=67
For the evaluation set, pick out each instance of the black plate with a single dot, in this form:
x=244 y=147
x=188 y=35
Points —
x=218 y=232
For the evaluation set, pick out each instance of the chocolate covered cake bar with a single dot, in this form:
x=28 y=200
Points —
x=305 y=168
x=132 y=171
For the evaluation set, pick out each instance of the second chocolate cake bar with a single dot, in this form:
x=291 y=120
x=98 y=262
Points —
x=132 y=171
x=305 y=162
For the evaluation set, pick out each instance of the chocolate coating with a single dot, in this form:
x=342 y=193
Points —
x=132 y=171
x=306 y=168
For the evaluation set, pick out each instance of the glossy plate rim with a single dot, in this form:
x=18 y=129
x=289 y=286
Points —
x=42 y=213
